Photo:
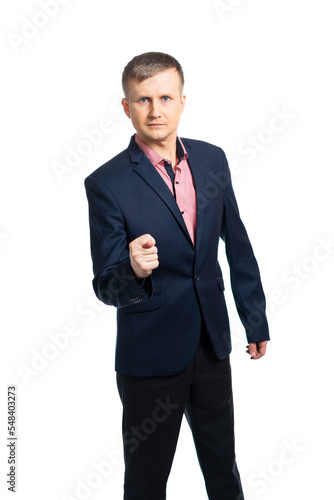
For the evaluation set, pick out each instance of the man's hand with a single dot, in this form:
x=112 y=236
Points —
x=143 y=255
x=257 y=349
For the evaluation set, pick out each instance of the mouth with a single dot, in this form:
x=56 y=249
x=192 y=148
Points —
x=155 y=124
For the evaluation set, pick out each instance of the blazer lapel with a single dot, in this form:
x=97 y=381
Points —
x=144 y=168
x=196 y=168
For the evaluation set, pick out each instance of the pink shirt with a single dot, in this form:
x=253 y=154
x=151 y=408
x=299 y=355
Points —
x=185 y=192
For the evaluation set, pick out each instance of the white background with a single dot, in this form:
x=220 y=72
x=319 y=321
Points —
x=244 y=62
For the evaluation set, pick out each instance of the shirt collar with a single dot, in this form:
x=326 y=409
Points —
x=155 y=158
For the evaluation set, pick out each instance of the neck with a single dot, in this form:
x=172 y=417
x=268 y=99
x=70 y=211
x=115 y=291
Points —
x=165 y=148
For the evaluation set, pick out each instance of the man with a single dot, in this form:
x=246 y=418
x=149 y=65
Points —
x=156 y=213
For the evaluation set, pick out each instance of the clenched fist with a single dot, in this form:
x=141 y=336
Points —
x=257 y=349
x=143 y=255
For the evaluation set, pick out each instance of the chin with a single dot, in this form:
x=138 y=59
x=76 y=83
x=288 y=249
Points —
x=156 y=133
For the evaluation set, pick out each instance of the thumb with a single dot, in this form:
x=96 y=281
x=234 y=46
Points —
x=252 y=349
x=150 y=242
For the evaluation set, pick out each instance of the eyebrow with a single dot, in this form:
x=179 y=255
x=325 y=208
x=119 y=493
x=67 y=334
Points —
x=166 y=94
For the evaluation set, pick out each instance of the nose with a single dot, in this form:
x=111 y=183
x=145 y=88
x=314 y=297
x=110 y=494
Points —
x=154 y=111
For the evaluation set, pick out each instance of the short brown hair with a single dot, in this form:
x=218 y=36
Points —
x=149 y=64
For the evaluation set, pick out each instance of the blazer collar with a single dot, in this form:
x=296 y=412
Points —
x=144 y=168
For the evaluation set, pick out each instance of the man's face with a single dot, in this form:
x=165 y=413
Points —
x=155 y=106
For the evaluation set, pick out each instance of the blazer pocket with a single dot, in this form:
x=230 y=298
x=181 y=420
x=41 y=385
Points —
x=220 y=282
x=211 y=189
x=151 y=304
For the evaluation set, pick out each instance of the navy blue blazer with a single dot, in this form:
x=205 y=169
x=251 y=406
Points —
x=159 y=319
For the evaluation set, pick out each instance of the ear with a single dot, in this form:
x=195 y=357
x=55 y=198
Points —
x=126 y=107
x=183 y=102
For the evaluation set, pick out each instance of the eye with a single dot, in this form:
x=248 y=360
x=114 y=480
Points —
x=143 y=99
x=166 y=98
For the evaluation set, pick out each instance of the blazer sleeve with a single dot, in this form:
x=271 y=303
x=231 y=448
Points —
x=244 y=271
x=114 y=281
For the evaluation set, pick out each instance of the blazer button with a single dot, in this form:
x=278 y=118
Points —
x=197 y=277
x=136 y=299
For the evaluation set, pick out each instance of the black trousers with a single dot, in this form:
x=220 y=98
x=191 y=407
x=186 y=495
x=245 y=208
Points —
x=153 y=408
